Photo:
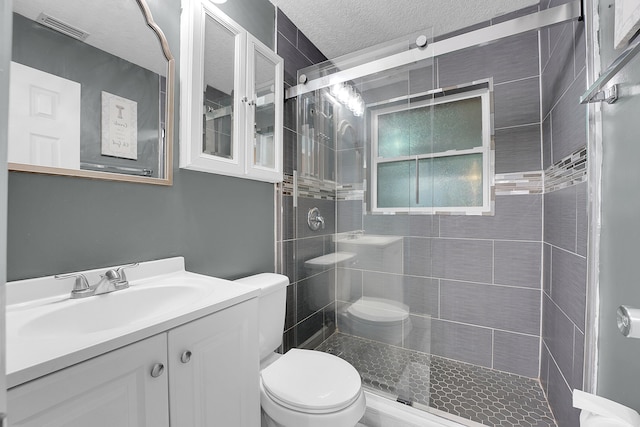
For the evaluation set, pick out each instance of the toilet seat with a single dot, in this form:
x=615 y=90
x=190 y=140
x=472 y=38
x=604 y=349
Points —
x=312 y=382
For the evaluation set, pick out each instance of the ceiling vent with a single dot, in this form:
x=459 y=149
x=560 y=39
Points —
x=62 y=27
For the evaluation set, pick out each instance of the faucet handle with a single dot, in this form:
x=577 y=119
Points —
x=314 y=219
x=112 y=275
x=121 y=273
x=80 y=286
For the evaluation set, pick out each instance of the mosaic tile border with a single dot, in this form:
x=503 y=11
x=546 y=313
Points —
x=569 y=171
x=308 y=187
x=519 y=183
x=315 y=189
x=286 y=186
x=350 y=192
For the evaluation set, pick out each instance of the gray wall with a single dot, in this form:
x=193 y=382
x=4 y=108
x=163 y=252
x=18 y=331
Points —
x=223 y=226
x=565 y=218
x=619 y=364
x=256 y=16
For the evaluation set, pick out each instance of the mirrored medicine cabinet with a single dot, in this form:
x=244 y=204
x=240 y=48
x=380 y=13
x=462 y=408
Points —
x=91 y=91
x=231 y=97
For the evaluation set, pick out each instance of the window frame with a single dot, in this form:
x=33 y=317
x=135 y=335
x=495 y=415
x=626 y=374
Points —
x=485 y=150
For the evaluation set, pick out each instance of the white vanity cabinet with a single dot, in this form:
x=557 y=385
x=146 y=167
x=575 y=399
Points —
x=202 y=373
x=232 y=90
x=214 y=370
x=115 y=389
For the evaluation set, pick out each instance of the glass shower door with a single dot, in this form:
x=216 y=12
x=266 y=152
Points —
x=385 y=296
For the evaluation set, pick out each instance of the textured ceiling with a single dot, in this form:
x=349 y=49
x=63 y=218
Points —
x=338 y=27
x=115 y=26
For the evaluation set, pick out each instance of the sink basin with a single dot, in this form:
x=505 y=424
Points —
x=113 y=310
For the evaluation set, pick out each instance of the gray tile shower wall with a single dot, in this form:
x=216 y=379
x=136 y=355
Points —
x=565 y=216
x=311 y=294
x=473 y=283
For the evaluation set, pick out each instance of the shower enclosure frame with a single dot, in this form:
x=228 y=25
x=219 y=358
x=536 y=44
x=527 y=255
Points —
x=535 y=21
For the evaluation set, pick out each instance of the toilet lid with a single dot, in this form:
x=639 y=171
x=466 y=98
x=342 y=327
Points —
x=379 y=310
x=311 y=381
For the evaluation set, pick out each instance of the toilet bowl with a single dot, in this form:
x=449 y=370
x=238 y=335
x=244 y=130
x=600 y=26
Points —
x=311 y=388
x=301 y=388
x=378 y=319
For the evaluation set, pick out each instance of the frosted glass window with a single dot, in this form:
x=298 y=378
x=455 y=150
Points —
x=433 y=155
x=435 y=128
x=442 y=182
x=395 y=184
x=450 y=181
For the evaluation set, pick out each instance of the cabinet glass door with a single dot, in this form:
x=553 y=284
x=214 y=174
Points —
x=220 y=87
x=264 y=113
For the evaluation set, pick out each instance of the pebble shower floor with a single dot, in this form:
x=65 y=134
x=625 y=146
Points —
x=476 y=393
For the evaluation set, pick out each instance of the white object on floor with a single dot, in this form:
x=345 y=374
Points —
x=600 y=412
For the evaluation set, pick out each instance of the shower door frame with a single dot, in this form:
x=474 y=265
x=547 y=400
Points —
x=532 y=22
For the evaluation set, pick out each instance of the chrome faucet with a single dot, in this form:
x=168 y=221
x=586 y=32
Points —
x=112 y=280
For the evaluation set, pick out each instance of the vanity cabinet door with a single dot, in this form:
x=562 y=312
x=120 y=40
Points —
x=214 y=368
x=115 y=389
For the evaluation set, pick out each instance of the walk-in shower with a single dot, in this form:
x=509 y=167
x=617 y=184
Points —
x=425 y=163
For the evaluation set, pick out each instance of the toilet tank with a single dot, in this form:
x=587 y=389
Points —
x=271 y=309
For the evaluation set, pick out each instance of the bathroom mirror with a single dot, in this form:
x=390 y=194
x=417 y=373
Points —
x=219 y=94
x=91 y=91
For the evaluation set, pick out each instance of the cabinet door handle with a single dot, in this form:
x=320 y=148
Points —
x=185 y=357
x=157 y=370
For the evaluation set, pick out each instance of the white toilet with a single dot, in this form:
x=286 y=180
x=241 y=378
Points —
x=302 y=388
x=600 y=412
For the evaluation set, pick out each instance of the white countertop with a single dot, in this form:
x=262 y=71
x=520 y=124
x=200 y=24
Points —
x=31 y=355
